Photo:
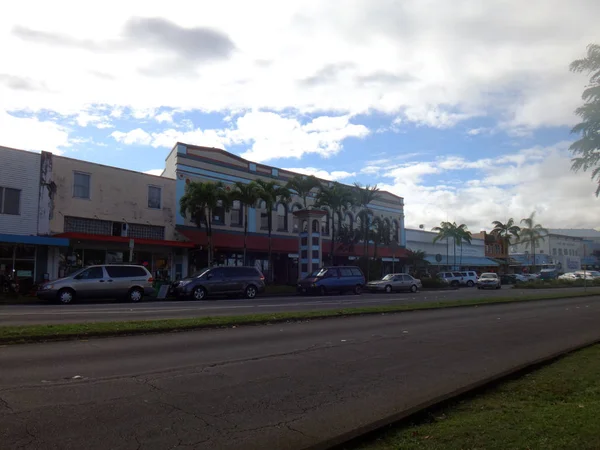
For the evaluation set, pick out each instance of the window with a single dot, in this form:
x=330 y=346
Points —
x=81 y=185
x=346 y=272
x=315 y=254
x=264 y=216
x=236 y=214
x=304 y=240
x=560 y=252
x=554 y=251
x=125 y=272
x=10 y=201
x=315 y=226
x=217 y=273
x=93 y=273
x=356 y=272
x=219 y=214
x=154 y=195
x=282 y=224
x=315 y=240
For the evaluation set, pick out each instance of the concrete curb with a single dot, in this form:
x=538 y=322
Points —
x=340 y=442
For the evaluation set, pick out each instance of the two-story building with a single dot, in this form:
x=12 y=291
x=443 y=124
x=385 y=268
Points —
x=187 y=163
x=113 y=215
x=24 y=222
x=553 y=249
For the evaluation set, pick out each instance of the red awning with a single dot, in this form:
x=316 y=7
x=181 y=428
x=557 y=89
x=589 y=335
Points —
x=125 y=240
x=235 y=241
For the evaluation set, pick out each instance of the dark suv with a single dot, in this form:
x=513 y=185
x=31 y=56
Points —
x=247 y=281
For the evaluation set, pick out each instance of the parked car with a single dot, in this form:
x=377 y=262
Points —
x=333 y=279
x=234 y=280
x=394 y=282
x=103 y=281
x=589 y=274
x=488 y=281
x=468 y=278
x=508 y=278
x=452 y=278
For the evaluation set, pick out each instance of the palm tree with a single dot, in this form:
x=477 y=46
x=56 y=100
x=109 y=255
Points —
x=364 y=196
x=531 y=234
x=338 y=198
x=586 y=148
x=247 y=195
x=302 y=186
x=505 y=232
x=271 y=192
x=445 y=231
x=380 y=233
x=414 y=258
x=199 y=202
x=461 y=234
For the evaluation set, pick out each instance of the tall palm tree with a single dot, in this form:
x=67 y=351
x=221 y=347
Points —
x=271 y=192
x=531 y=234
x=445 y=231
x=199 y=203
x=247 y=195
x=380 y=233
x=506 y=232
x=461 y=234
x=302 y=186
x=586 y=148
x=415 y=258
x=364 y=196
x=338 y=198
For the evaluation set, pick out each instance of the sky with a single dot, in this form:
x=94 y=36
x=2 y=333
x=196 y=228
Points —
x=463 y=108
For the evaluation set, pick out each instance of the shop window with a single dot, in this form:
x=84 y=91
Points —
x=154 y=197
x=10 y=201
x=236 y=214
x=81 y=185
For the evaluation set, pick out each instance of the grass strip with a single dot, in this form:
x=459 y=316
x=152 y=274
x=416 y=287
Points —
x=38 y=333
x=555 y=407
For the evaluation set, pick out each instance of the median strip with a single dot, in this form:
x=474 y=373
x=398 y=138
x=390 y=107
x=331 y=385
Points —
x=42 y=333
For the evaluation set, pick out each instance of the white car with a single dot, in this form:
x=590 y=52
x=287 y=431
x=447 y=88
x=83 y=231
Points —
x=589 y=274
x=570 y=276
x=488 y=281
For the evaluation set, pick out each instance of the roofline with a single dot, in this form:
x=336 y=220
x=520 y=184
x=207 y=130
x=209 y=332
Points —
x=246 y=161
x=112 y=167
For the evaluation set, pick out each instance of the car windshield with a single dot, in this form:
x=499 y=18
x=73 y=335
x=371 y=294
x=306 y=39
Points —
x=488 y=275
x=320 y=273
x=200 y=273
x=388 y=277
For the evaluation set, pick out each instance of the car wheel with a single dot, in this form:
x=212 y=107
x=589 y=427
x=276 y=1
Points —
x=470 y=283
x=358 y=289
x=322 y=290
x=413 y=288
x=199 y=293
x=135 y=295
x=66 y=296
x=251 y=291
x=388 y=289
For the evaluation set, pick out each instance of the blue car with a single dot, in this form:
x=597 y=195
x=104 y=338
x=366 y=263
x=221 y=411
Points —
x=333 y=279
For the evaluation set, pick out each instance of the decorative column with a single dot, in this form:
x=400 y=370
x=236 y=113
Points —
x=310 y=256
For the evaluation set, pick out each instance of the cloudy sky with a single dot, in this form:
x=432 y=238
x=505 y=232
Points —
x=463 y=107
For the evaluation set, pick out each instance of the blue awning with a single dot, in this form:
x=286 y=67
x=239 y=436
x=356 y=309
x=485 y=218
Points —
x=34 y=240
x=470 y=261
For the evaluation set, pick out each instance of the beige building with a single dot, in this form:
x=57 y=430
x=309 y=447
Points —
x=113 y=215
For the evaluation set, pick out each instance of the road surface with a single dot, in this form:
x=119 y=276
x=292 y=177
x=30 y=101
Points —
x=95 y=312
x=283 y=386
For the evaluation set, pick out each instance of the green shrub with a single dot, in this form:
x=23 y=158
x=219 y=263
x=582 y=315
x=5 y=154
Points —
x=433 y=283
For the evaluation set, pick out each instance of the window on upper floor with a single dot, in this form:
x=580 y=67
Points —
x=81 y=185
x=554 y=251
x=236 y=214
x=10 y=201
x=282 y=223
x=154 y=197
x=219 y=214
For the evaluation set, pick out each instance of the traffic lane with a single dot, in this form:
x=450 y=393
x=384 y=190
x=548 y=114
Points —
x=77 y=313
x=285 y=386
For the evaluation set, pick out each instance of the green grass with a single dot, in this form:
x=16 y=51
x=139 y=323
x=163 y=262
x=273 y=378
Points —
x=556 y=407
x=36 y=333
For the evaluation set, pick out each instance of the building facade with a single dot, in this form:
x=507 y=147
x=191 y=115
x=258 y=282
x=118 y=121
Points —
x=187 y=163
x=445 y=255
x=113 y=215
x=24 y=226
x=557 y=249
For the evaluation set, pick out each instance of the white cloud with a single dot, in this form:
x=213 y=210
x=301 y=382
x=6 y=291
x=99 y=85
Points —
x=268 y=136
x=334 y=175
x=432 y=65
x=513 y=185
x=164 y=117
x=157 y=172
x=32 y=134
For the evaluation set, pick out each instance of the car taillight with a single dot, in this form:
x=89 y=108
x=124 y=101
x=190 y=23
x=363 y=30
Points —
x=150 y=280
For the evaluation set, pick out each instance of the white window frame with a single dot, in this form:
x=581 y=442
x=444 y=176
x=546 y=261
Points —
x=89 y=175
x=159 y=197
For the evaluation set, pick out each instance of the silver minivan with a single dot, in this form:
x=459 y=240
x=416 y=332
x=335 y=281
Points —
x=104 y=281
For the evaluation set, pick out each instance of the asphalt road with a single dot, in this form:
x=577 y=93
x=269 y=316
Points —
x=284 y=386
x=43 y=313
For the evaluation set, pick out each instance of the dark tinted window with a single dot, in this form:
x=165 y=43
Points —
x=243 y=272
x=407 y=278
x=346 y=272
x=125 y=272
x=356 y=271
x=332 y=273
x=218 y=273
x=91 y=274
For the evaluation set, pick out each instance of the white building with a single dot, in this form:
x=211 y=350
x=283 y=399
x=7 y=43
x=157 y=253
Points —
x=556 y=248
x=24 y=216
x=442 y=252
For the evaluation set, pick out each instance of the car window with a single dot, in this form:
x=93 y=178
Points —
x=125 y=271
x=332 y=273
x=356 y=272
x=217 y=273
x=408 y=278
x=345 y=272
x=92 y=273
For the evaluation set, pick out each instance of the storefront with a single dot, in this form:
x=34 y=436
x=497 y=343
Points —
x=166 y=260
x=25 y=258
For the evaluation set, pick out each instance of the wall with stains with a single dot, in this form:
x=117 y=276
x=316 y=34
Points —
x=116 y=195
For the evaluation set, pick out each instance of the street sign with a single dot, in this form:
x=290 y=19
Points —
x=438 y=257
